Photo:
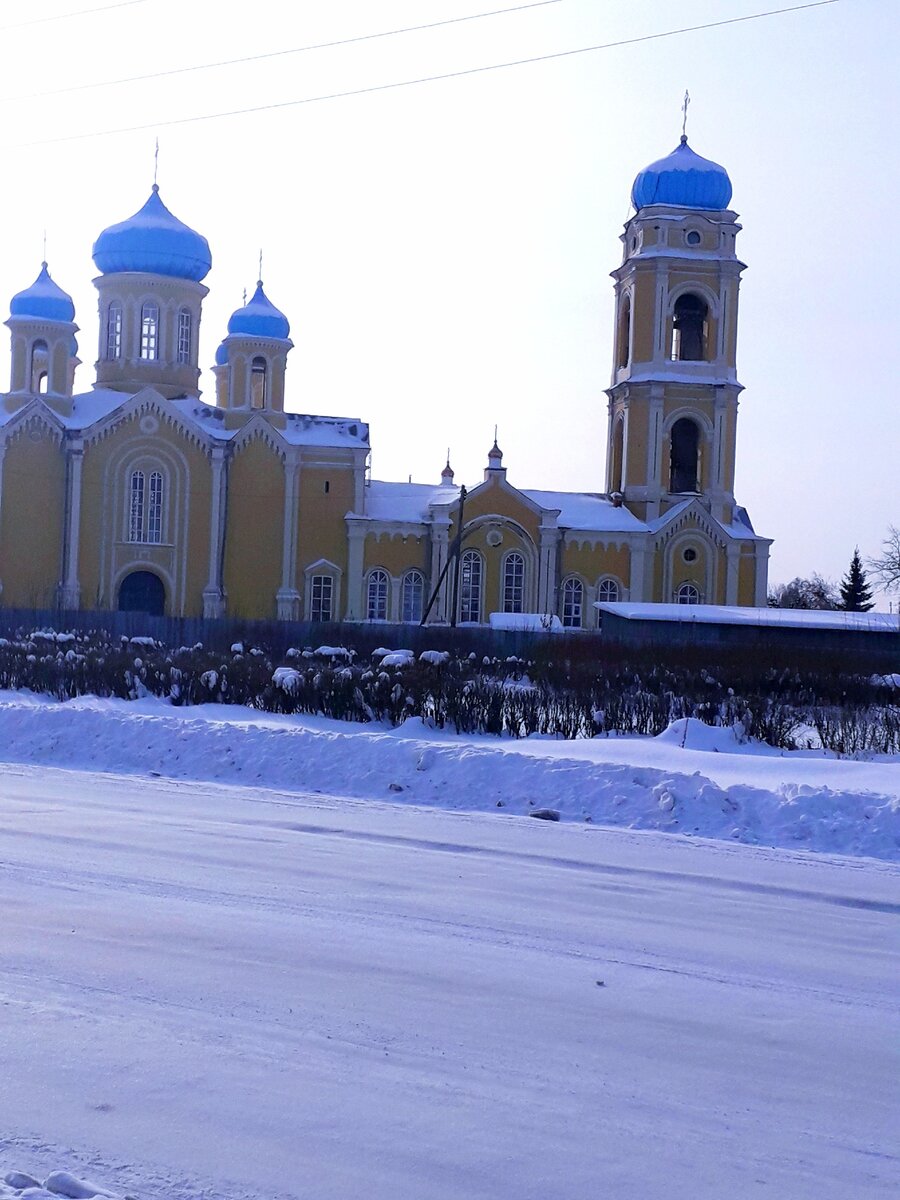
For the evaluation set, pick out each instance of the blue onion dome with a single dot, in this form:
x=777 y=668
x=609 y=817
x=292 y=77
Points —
x=153 y=242
x=682 y=180
x=221 y=355
x=260 y=318
x=44 y=300
x=73 y=348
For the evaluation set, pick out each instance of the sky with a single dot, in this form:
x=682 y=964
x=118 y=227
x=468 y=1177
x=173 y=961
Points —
x=443 y=249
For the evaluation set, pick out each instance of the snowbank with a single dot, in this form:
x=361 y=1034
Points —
x=417 y=767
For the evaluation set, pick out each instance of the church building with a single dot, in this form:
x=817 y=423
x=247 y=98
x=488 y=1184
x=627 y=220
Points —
x=153 y=499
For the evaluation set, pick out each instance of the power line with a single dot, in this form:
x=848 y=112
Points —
x=81 y=12
x=248 y=58
x=402 y=83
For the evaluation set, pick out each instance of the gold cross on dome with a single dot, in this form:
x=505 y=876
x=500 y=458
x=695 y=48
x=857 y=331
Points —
x=684 y=108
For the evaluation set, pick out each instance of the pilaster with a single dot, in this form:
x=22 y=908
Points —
x=69 y=588
x=356 y=540
x=213 y=593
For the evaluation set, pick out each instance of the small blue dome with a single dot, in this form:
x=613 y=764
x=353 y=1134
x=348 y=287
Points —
x=260 y=318
x=682 y=180
x=44 y=300
x=153 y=242
x=221 y=355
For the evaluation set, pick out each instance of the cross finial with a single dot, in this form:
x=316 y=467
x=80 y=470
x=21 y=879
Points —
x=244 y=297
x=44 y=255
x=259 y=277
x=495 y=435
x=684 y=108
x=156 y=165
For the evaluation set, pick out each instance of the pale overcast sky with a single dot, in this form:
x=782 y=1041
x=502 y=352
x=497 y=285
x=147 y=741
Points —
x=443 y=250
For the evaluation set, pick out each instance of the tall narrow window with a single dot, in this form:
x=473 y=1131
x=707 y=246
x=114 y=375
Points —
x=513 y=583
x=471 y=571
x=413 y=591
x=688 y=593
x=376 y=606
x=684 y=458
x=258 y=383
x=572 y=603
x=608 y=591
x=689 y=328
x=623 y=348
x=185 y=328
x=618 y=455
x=321 y=596
x=40 y=360
x=113 y=332
x=136 y=508
x=150 y=332
x=155 y=508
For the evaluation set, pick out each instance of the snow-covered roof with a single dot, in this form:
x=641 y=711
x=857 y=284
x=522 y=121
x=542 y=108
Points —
x=405 y=501
x=587 y=510
x=725 y=614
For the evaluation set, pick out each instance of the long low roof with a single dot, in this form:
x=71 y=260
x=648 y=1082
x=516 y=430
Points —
x=724 y=614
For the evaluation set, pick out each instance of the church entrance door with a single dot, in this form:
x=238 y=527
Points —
x=142 y=591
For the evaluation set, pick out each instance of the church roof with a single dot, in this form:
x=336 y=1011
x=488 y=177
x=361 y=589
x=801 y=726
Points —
x=260 y=318
x=153 y=241
x=44 y=300
x=683 y=180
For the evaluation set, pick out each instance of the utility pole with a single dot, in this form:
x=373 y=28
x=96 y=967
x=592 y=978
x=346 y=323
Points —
x=452 y=557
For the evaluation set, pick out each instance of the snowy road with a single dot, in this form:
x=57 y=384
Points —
x=215 y=992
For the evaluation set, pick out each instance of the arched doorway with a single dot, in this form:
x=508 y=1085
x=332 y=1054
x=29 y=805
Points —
x=142 y=591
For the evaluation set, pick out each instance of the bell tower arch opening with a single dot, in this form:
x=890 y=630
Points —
x=690 y=329
x=684 y=456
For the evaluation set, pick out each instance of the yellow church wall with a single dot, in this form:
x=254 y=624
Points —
x=593 y=562
x=31 y=520
x=643 y=331
x=747 y=579
x=396 y=554
x=322 y=530
x=254 y=531
x=638 y=438
x=493 y=500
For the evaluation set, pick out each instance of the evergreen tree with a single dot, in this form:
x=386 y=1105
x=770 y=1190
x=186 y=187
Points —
x=856 y=595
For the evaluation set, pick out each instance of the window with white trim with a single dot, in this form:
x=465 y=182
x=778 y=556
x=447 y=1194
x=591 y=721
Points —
x=185 y=335
x=572 y=603
x=513 y=582
x=113 y=332
x=471 y=575
x=150 y=332
x=608 y=591
x=377 y=596
x=412 y=594
x=321 y=598
x=145 y=507
x=258 y=382
x=687 y=593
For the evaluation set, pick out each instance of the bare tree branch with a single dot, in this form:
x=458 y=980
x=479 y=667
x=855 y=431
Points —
x=886 y=566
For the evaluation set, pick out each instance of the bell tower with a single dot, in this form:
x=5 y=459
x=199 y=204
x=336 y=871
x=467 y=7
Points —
x=674 y=395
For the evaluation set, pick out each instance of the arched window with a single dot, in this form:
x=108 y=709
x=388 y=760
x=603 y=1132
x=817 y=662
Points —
x=411 y=597
x=513 y=582
x=136 y=507
x=155 y=508
x=608 y=591
x=572 y=603
x=258 y=383
x=113 y=332
x=618 y=455
x=150 y=332
x=321 y=596
x=689 y=328
x=40 y=358
x=185 y=329
x=687 y=593
x=471 y=574
x=377 y=602
x=145 y=507
x=684 y=458
x=623 y=342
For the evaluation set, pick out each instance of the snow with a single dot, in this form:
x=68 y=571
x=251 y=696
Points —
x=271 y=994
x=720 y=787
x=407 y=503
x=587 y=510
x=722 y=614
x=530 y=622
